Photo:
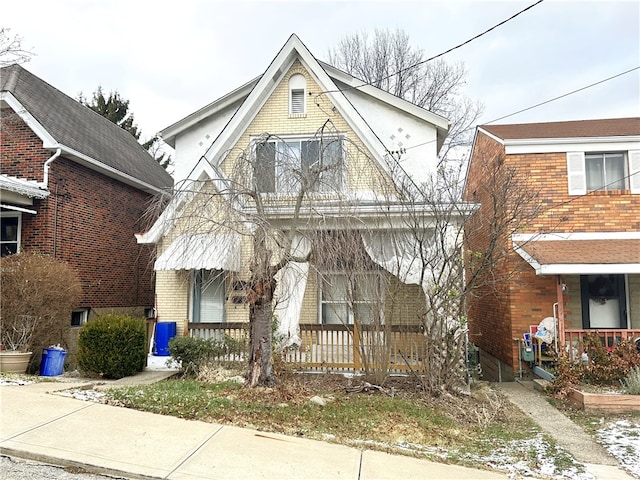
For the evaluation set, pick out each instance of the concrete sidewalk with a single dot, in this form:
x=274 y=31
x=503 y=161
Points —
x=117 y=441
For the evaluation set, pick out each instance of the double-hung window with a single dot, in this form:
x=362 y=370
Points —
x=603 y=171
x=9 y=233
x=208 y=296
x=347 y=300
x=288 y=165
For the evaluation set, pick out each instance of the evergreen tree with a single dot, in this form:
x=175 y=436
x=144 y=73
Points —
x=116 y=109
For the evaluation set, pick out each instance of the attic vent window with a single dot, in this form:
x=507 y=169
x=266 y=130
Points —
x=297 y=101
x=297 y=90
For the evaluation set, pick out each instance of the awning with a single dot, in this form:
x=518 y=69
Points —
x=580 y=254
x=202 y=251
x=20 y=192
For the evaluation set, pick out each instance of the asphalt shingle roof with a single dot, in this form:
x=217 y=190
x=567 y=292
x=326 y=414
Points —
x=592 y=252
x=612 y=127
x=78 y=127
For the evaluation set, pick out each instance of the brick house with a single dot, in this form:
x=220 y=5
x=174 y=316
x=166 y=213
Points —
x=274 y=121
x=578 y=259
x=76 y=186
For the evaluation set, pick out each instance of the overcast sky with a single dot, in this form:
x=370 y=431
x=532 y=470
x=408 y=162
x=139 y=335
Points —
x=170 y=58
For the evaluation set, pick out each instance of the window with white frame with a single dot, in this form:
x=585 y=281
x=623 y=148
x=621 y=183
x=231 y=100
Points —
x=297 y=90
x=208 y=296
x=79 y=317
x=10 y=226
x=287 y=165
x=346 y=299
x=603 y=171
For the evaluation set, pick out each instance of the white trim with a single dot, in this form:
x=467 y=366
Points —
x=587 y=268
x=491 y=135
x=384 y=96
x=18 y=209
x=545 y=237
x=564 y=145
x=111 y=172
x=18 y=241
x=633 y=162
x=170 y=133
x=50 y=143
x=47 y=140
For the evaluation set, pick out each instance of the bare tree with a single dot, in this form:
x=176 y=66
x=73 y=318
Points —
x=389 y=61
x=393 y=277
x=11 y=50
x=242 y=201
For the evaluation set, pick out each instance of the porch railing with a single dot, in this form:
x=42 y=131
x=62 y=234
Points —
x=574 y=339
x=334 y=347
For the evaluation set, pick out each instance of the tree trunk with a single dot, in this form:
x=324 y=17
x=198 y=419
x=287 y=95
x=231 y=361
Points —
x=260 y=315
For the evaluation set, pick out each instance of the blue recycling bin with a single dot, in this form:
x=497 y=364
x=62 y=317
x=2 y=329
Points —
x=165 y=331
x=52 y=362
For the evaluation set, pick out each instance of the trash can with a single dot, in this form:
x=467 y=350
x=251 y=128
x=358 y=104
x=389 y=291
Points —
x=165 y=331
x=52 y=362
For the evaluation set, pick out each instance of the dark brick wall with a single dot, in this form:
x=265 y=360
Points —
x=89 y=220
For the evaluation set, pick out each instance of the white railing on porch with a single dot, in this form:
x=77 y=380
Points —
x=336 y=347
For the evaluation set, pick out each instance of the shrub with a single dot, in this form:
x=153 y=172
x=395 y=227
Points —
x=603 y=368
x=112 y=346
x=42 y=288
x=631 y=384
x=194 y=353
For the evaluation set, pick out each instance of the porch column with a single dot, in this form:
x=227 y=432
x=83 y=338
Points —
x=560 y=297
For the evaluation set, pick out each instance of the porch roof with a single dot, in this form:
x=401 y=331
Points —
x=580 y=255
x=202 y=251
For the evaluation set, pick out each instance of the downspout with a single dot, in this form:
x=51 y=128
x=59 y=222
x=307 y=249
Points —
x=45 y=178
x=47 y=165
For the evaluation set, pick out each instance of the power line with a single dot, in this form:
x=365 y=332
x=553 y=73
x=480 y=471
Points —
x=540 y=104
x=440 y=54
x=565 y=95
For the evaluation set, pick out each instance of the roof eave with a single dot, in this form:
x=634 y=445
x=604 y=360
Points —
x=170 y=133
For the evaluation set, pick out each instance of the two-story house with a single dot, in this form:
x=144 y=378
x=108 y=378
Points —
x=305 y=155
x=76 y=186
x=578 y=259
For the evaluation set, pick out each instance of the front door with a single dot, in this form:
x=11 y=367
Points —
x=604 y=301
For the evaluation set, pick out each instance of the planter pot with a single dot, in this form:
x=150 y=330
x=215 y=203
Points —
x=14 y=362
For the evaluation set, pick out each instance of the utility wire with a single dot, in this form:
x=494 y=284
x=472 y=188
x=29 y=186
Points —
x=422 y=62
x=565 y=95
x=539 y=104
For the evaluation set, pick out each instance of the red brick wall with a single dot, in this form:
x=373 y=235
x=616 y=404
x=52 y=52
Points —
x=612 y=211
x=496 y=316
x=490 y=325
x=21 y=152
x=89 y=220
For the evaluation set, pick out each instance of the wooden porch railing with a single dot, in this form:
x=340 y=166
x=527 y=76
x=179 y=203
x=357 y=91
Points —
x=335 y=347
x=574 y=339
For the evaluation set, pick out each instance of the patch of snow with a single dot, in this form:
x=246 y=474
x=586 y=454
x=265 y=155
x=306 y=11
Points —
x=622 y=440
x=14 y=382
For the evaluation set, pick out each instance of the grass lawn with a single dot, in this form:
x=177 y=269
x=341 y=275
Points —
x=480 y=430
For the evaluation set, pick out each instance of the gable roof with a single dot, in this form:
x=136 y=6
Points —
x=253 y=95
x=81 y=133
x=612 y=127
x=327 y=77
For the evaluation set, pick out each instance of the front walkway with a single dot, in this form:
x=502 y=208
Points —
x=566 y=433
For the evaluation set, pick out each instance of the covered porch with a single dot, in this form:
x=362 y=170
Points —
x=597 y=287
